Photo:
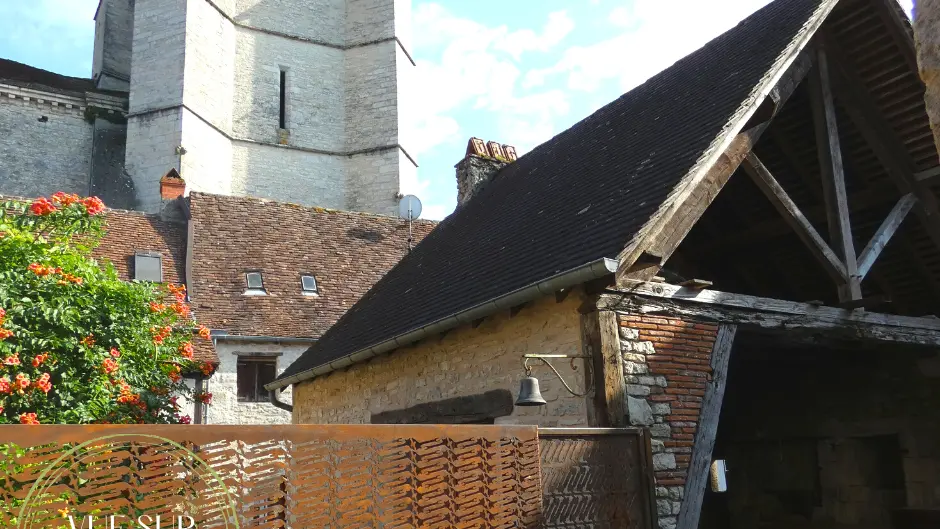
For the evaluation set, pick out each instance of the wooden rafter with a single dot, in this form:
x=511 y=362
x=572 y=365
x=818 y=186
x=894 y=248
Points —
x=883 y=141
x=884 y=233
x=860 y=200
x=670 y=226
x=829 y=150
x=795 y=218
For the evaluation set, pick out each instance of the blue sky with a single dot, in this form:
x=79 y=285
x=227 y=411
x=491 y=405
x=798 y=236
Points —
x=513 y=71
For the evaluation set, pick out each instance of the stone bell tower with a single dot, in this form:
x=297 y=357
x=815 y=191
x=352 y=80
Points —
x=293 y=100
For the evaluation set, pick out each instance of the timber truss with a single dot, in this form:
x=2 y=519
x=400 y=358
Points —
x=821 y=62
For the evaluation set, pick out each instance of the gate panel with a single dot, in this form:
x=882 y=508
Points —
x=303 y=476
x=596 y=478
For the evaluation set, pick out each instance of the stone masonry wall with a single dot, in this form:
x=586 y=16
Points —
x=152 y=139
x=667 y=366
x=225 y=408
x=466 y=361
x=209 y=65
x=314 y=179
x=207 y=164
x=321 y=20
x=114 y=33
x=39 y=158
x=315 y=79
x=927 y=38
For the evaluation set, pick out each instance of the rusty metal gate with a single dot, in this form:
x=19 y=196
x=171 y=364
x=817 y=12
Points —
x=596 y=478
x=303 y=476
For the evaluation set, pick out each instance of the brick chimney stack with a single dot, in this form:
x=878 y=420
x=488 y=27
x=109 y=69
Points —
x=172 y=186
x=482 y=162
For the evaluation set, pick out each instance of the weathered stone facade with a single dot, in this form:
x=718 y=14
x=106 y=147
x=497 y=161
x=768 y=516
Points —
x=203 y=85
x=225 y=408
x=667 y=367
x=473 y=172
x=927 y=38
x=466 y=361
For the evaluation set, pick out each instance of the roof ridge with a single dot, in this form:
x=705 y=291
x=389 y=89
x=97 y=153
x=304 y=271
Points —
x=315 y=209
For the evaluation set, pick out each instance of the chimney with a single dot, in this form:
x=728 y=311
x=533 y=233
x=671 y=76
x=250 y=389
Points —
x=172 y=185
x=481 y=163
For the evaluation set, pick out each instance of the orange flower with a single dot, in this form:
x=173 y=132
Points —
x=93 y=205
x=12 y=360
x=3 y=315
x=156 y=307
x=187 y=350
x=43 y=383
x=109 y=366
x=5 y=387
x=88 y=341
x=204 y=332
x=181 y=308
x=64 y=199
x=28 y=418
x=22 y=382
x=40 y=358
x=207 y=368
x=175 y=373
x=115 y=353
x=5 y=333
x=42 y=206
x=205 y=398
x=40 y=270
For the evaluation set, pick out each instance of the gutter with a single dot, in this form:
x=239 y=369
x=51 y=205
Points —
x=263 y=339
x=576 y=276
x=279 y=403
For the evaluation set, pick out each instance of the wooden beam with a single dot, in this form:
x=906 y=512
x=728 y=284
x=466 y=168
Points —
x=829 y=150
x=792 y=214
x=865 y=303
x=669 y=226
x=882 y=139
x=707 y=431
x=884 y=233
x=929 y=174
x=899 y=29
x=609 y=407
x=612 y=365
x=773 y=314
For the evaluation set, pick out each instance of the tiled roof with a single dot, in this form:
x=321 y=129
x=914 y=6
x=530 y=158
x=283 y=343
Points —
x=26 y=76
x=577 y=198
x=347 y=252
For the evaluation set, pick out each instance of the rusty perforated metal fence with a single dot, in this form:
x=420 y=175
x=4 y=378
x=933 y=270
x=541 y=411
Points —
x=302 y=476
x=596 y=478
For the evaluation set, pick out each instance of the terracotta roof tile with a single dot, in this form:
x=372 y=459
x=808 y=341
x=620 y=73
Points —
x=347 y=253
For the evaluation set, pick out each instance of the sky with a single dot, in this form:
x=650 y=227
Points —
x=513 y=71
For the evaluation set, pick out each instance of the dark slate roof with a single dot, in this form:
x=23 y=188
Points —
x=26 y=76
x=579 y=197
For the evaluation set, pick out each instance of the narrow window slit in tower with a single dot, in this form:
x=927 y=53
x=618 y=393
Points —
x=283 y=106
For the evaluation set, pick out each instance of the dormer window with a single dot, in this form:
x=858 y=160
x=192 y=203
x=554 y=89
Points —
x=254 y=282
x=148 y=266
x=308 y=283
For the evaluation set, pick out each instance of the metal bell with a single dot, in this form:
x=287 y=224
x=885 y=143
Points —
x=529 y=393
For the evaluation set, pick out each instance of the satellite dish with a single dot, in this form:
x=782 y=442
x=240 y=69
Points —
x=409 y=207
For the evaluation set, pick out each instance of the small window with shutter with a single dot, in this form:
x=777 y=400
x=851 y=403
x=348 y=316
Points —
x=252 y=374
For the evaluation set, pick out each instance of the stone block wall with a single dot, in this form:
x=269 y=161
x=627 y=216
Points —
x=114 y=33
x=152 y=139
x=315 y=80
x=667 y=367
x=225 y=408
x=209 y=70
x=207 y=163
x=41 y=157
x=319 y=20
x=159 y=50
x=290 y=175
x=466 y=361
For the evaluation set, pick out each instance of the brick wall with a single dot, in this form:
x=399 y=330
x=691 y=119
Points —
x=667 y=366
x=466 y=361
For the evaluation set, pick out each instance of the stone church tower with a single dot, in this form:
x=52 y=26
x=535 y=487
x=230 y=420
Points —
x=293 y=100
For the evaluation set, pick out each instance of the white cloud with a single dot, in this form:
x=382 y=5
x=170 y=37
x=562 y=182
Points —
x=651 y=41
x=478 y=69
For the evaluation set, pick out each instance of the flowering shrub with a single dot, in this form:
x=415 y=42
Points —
x=77 y=344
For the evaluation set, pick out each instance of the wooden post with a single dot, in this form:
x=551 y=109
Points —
x=884 y=234
x=829 y=151
x=794 y=217
x=707 y=430
x=600 y=338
